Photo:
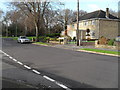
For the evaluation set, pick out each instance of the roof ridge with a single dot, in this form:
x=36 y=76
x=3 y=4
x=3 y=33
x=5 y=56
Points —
x=98 y=13
x=94 y=11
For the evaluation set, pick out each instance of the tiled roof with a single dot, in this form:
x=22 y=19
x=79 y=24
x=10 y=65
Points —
x=96 y=14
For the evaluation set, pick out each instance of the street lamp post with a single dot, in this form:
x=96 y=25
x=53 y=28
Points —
x=16 y=32
x=64 y=15
x=77 y=32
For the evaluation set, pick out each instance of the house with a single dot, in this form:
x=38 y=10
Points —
x=100 y=23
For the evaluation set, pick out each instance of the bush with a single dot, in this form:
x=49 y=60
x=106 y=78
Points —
x=54 y=39
x=111 y=42
x=46 y=38
x=53 y=35
x=41 y=38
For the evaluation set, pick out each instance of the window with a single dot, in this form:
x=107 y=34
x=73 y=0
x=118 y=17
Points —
x=23 y=37
x=93 y=34
x=93 y=22
x=73 y=26
x=85 y=23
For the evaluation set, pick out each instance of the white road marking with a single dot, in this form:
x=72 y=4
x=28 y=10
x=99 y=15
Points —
x=48 y=78
x=27 y=67
x=6 y=54
x=19 y=62
x=35 y=71
x=10 y=57
x=14 y=60
x=63 y=86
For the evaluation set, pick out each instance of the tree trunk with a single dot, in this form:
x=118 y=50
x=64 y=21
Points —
x=37 y=33
x=25 y=30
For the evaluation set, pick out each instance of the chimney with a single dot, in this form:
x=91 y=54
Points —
x=107 y=12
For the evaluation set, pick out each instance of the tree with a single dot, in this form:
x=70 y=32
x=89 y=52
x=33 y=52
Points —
x=36 y=10
x=1 y=12
x=114 y=13
x=40 y=17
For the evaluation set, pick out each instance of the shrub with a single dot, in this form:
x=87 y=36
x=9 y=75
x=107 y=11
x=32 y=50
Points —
x=41 y=38
x=53 y=39
x=46 y=38
x=53 y=35
x=111 y=42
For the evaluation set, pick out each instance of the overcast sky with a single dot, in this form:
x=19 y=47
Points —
x=92 y=5
x=87 y=5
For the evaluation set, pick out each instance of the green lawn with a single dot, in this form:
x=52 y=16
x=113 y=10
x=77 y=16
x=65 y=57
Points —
x=102 y=51
x=31 y=37
x=15 y=38
x=73 y=42
x=88 y=41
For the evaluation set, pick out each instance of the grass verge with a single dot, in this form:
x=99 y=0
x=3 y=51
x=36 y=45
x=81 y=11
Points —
x=15 y=38
x=101 y=51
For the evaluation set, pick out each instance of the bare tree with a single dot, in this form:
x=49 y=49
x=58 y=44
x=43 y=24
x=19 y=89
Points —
x=36 y=10
x=1 y=12
x=114 y=13
x=40 y=16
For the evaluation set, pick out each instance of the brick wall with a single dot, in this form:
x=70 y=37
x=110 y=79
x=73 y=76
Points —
x=108 y=28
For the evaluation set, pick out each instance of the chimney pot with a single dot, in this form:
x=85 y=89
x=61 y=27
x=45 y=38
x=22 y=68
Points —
x=107 y=12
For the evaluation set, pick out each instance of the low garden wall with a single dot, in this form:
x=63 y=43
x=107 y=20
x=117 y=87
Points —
x=88 y=43
x=116 y=47
x=106 y=46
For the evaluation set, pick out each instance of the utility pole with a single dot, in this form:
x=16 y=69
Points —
x=25 y=26
x=64 y=15
x=6 y=31
x=16 y=30
x=77 y=32
x=6 y=28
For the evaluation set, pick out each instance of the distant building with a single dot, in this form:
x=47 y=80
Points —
x=100 y=23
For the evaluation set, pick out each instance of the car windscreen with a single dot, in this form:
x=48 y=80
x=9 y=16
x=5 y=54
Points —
x=23 y=37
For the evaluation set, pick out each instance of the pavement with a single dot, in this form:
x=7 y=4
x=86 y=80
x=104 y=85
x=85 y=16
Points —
x=71 y=68
x=78 y=48
x=75 y=47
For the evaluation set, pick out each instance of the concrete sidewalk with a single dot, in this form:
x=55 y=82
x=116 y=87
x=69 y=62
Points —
x=75 y=47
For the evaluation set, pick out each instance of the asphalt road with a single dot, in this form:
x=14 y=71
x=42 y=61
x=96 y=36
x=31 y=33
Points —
x=72 y=68
x=17 y=76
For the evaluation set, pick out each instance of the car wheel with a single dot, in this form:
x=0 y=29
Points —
x=21 y=42
x=17 y=41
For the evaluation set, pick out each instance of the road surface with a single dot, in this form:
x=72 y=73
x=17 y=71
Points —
x=16 y=76
x=73 y=69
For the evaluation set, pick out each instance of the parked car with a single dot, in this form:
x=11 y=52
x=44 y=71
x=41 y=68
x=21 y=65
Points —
x=23 y=39
x=117 y=39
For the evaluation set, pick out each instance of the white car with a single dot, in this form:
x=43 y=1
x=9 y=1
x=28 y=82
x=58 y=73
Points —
x=23 y=39
x=117 y=39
